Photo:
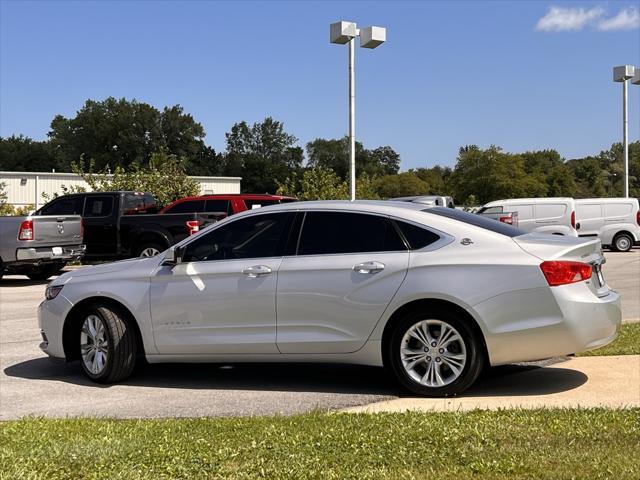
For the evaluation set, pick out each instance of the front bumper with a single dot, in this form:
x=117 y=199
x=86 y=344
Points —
x=50 y=254
x=548 y=322
x=51 y=315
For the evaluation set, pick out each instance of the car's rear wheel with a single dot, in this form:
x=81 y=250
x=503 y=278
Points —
x=107 y=345
x=622 y=243
x=44 y=271
x=435 y=354
x=149 y=250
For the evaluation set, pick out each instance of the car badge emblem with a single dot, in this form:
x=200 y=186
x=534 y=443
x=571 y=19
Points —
x=466 y=241
x=60 y=228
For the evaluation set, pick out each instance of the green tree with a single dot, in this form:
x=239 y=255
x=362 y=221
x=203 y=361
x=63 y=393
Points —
x=263 y=154
x=334 y=154
x=21 y=154
x=438 y=178
x=5 y=208
x=120 y=133
x=400 y=185
x=492 y=174
x=321 y=183
x=164 y=177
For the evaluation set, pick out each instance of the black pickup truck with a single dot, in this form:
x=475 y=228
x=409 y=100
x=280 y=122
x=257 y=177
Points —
x=126 y=224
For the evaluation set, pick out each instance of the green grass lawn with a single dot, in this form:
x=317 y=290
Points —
x=627 y=343
x=553 y=444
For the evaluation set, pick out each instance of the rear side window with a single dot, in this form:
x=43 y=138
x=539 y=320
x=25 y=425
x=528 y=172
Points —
x=134 y=203
x=417 y=237
x=63 y=206
x=188 y=206
x=98 y=206
x=341 y=232
x=476 y=221
x=218 y=206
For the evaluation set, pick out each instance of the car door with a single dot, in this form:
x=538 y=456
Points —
x=332 y=293
x=100 y=225
x=589 y=216
x=526 y=219
x=221 y=297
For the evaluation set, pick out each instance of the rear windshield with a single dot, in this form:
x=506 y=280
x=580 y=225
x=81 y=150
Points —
x=476 y=220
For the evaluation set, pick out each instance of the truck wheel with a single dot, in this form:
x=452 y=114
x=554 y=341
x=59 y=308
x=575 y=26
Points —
x=150 y=250
x=435 y=354
x=107 y=344
x=43 y=272
x=622 y=243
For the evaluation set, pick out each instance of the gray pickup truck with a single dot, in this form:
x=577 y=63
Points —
x=39 y=246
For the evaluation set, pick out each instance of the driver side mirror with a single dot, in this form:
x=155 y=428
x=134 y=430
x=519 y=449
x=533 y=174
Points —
x=173 y=256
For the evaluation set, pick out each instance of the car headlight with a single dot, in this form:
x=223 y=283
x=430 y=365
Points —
x=52 y=292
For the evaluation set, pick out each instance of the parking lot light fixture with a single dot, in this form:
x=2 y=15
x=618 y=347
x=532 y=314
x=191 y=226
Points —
x=370 y=37
x=621 y=74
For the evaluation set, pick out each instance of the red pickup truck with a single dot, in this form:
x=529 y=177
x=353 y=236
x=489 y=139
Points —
x=229 y=203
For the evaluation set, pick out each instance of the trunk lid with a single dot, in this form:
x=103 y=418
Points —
x=575 y=249
x=56 y=230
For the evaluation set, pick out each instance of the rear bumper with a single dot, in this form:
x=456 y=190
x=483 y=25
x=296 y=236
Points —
x=548 y=322
x=50 y=254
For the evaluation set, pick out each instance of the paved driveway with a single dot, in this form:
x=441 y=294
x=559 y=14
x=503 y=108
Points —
x=31 y=385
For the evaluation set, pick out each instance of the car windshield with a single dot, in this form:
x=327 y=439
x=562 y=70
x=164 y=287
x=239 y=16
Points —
x=476 y=220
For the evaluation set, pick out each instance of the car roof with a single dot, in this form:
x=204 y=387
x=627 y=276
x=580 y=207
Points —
x=213 y=196
x=379 y=206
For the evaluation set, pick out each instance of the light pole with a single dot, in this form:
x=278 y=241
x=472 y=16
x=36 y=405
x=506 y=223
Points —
x=370 y=37
x=622 y=74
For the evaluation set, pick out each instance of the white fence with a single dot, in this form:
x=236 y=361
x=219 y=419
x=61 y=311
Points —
x=26 y=188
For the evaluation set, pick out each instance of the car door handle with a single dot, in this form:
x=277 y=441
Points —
x=256 y=271
x=368 y=267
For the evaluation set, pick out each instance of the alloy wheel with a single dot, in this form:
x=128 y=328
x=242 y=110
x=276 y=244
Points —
x=433 y=353
x=94 y=346
x=149 y=252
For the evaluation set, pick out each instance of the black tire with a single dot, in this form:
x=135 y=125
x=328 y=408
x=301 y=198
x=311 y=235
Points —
x=149 y=246
x=1 y=270
x=43 y=272
x=622 y=242
x=473 y=366
x=121 y=338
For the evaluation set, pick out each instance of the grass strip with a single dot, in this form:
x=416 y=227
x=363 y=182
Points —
x=627 y=343
x=548 y=444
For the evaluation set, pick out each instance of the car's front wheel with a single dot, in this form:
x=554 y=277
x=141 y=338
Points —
x=435 y=354
x=107 y=345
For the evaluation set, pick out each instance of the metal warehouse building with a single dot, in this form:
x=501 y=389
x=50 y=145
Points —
x=26 y=188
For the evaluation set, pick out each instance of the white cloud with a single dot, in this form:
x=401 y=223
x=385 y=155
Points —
x=560 y=19
x=627 y=19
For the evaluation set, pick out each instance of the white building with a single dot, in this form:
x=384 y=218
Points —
x=27 y=188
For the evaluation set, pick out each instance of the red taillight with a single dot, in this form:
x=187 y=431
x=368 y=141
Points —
x=564 y=272
x=508 y=220
x=26 y=230
x=193 y=226
x=638 y=217
x=573 y=219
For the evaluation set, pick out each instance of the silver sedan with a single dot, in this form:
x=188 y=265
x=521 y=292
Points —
x=434 y=294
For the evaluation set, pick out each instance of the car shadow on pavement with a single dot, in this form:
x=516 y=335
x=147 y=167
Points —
x=508 y=380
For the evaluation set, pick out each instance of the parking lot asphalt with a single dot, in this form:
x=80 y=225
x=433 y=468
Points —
x=31 y=385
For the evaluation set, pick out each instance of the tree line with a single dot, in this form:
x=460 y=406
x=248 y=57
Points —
x=127 y=136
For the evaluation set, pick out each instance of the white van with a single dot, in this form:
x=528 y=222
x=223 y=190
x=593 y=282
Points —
x=615 y=220
x=545 y=215
x=434 y=200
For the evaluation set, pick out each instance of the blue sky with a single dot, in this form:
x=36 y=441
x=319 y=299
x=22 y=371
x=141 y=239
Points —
x=522 y=75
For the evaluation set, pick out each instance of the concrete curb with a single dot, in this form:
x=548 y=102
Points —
x=582 y=382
